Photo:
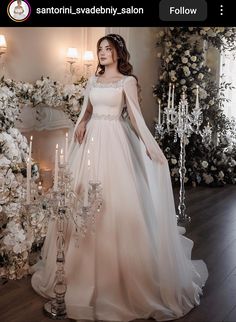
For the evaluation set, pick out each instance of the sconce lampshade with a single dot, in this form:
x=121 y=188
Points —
x=88 y=55
x=72 y=54
x=3 y=44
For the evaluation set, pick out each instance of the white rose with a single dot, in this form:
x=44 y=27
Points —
x=193 y=58
x=184 y=60
x=204 y=164
x=200 y=76
x=173 y=161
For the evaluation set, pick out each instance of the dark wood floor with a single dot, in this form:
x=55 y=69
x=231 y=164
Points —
x=213 y=230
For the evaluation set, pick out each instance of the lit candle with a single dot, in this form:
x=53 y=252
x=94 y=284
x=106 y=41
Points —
x=56 y=170
x=61 y=157
x=30 y=153
x=30 y=147
x=28 y=178
x=28 y=171
x=159 y=111
x=66 y=148
x=40 y=188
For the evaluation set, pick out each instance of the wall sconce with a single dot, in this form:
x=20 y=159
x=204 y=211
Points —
x=88 y=58
x=3 y=45
x=72 y=57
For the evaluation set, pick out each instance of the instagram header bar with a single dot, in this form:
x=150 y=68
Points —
x=115 y=13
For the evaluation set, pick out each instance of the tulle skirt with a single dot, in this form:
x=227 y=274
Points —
x=136 y=264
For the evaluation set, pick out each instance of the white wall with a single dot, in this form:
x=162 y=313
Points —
x=141 y=42
x=145 y=63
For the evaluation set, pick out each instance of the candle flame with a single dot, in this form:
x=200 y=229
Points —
x=57 y=146
x=31 y=138
x=66 y=134
x=61 y=151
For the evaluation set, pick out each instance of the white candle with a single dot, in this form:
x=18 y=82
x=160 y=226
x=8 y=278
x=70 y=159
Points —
x=173 y=99
x=28 y=170
x=56 y=170
x=66 y=148
x=61 y=157
x=197 y=97
x=169 y=95
x=40 y=188
x=159 y=111
x=30 y=147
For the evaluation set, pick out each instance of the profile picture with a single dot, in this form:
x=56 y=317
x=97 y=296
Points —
x=19 y=10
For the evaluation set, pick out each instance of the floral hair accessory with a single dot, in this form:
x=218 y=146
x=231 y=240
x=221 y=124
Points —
x=118 y=39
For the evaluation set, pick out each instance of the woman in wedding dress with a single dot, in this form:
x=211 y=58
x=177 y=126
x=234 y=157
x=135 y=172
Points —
x=136 y=264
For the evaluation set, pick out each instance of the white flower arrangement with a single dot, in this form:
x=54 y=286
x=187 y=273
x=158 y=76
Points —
x=20 y=231
x=184 y=63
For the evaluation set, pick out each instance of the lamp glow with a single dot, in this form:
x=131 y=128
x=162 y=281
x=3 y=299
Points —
x=88 y=55
x=3 y=44
x=72 y=54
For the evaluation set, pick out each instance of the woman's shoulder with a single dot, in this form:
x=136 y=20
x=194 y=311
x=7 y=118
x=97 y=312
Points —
x=130 y=79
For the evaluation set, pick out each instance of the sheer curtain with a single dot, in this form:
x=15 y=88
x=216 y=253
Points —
x=228 y=72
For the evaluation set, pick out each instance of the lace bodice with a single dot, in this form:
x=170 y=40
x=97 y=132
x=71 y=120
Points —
x=107 y=99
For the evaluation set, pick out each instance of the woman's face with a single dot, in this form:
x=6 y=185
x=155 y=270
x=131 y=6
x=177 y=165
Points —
x=107 y=54
x=19 y=2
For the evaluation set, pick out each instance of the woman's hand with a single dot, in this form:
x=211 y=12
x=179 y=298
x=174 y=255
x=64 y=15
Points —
x=80 y=132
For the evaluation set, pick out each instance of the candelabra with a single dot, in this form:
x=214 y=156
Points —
x=65 y=204
x=183 y=123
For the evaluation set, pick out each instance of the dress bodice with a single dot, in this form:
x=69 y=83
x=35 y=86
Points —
x=107 y=99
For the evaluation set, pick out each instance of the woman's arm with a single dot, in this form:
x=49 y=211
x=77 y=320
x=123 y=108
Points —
x=87 y=113
x=81 y=127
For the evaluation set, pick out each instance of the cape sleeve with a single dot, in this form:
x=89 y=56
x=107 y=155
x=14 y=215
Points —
x=83 y=109
x=137 y=120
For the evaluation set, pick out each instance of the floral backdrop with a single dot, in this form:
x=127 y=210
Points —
x=182 y=52
x=22 y=230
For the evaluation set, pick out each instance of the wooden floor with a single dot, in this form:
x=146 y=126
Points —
x=213 y=230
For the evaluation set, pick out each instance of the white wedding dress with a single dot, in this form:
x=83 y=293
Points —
x=136 y=264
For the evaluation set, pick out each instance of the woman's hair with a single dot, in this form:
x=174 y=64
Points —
x=124 y=67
